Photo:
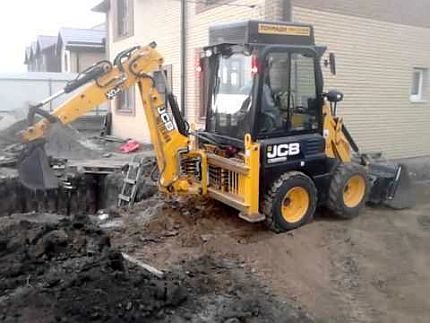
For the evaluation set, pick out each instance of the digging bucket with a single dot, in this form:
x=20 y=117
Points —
x=34 y=169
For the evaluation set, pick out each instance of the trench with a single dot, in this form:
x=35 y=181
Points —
x=80 y=193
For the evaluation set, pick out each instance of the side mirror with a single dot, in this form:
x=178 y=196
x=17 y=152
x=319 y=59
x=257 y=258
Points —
x=331 y=61
x=334 y=96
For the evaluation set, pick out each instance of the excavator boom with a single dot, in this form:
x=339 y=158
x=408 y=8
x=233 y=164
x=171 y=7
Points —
x=98 y=84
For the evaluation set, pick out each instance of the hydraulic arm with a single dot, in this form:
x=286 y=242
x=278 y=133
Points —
x=98 y=84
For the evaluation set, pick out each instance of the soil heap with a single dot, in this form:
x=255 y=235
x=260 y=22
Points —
x=60 y=269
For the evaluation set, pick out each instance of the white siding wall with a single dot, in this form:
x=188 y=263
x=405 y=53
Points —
x=198 y=37
x=159 y=20
x=374 y=63
x=374 y=70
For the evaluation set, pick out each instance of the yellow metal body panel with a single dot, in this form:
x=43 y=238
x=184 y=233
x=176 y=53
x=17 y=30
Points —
x=337 y=146
x=236 y=182
x=252 y=181
x=276 y=29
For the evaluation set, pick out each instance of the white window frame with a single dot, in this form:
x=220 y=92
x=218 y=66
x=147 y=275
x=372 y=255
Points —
x=127 y=107
x=123 y=25
x=419 y=97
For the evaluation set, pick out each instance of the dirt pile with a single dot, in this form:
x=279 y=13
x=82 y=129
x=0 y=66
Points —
x=64 y=270
x=57 y=269
x=62 y=141
x=66 y=142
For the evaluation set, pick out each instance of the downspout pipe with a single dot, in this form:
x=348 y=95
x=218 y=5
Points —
x=183 y=54
x=287 y=12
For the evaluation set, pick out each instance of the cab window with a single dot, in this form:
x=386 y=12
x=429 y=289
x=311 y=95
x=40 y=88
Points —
x=288 y=99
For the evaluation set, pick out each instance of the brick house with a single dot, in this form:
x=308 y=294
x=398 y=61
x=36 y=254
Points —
x=41 y=57
x=382 y=50
x=71 y=51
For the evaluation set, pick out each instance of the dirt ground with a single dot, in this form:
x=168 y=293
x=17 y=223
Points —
x=370 y=269
x=63 y=269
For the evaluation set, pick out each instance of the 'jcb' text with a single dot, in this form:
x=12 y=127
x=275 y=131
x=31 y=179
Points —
x=165 y=118
x=280 y=153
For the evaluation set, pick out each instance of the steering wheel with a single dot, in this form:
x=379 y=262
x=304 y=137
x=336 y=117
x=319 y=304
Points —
x=300 y=110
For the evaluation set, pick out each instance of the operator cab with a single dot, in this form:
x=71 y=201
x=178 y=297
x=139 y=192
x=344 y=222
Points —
x=262 y=78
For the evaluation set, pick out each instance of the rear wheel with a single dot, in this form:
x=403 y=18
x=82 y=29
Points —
x=348 y=191
x=291 y=202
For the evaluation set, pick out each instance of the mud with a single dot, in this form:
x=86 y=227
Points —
x=56 y=269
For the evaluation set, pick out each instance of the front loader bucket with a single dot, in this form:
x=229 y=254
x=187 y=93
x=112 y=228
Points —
x=391 y=185
x=33 y=167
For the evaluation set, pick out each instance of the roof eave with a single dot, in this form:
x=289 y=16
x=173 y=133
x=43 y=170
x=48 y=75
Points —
x=84 y=45
x=103 y=6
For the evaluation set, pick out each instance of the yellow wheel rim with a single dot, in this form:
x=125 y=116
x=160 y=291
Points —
x=354 y=190
x=295 y=204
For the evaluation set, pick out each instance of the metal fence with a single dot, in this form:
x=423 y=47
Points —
x=17 y=91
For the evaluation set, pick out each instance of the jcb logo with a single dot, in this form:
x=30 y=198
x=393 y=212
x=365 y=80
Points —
x=165 y=118
x=112 y=93
x=279 y=153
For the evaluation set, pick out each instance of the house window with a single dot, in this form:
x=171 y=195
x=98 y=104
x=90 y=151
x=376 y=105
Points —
x=419 y=78
x=125 y=101
x=124 y=18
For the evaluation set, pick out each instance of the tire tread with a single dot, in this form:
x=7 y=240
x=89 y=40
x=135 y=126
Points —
x=271 y=196
x=334 y=202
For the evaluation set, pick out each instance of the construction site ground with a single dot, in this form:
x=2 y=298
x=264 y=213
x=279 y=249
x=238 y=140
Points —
x=370 y=269
x=216 y=267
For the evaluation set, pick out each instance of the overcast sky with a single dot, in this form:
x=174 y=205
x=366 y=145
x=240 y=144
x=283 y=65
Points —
x=22 y=20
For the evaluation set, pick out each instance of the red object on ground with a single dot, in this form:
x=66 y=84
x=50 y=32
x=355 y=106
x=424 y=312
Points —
x=129 y=146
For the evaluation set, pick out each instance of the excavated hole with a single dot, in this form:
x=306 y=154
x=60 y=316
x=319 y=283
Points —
x=83 y=194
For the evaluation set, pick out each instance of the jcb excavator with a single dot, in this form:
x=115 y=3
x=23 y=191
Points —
x=273 y=147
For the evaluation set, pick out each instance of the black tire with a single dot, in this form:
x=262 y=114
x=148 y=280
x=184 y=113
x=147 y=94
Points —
x=338 y=187
x=275 y=197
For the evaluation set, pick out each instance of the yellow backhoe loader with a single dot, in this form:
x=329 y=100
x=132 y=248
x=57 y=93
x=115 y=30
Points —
x=273 y=147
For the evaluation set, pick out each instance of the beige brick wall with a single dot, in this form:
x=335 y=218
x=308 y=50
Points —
x=155 y=20
x=375 y=60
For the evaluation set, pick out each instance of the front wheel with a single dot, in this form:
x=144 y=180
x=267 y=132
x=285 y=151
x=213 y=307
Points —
x=291 y=202
x=348 y=190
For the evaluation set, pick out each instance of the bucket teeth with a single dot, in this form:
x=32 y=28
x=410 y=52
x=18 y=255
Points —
x=33 y=168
